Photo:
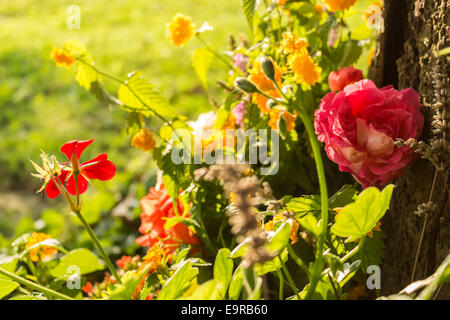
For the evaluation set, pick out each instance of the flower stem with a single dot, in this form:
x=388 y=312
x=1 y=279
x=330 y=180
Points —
x=318 y=263
x=98 y=245
x=35 y=286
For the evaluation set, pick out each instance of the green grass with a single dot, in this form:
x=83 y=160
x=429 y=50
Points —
x=41 y=106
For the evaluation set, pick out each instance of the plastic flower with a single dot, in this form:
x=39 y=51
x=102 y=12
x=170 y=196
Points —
x=181 y=29
x=338 y=80
x=41 y=252
x=157 y=207
x=264 y=84
x=304 y=68
x=359 y=126
x=98 y=168
x=143 y=140
x=337 y=5
x=62 y=57
x=292 y=44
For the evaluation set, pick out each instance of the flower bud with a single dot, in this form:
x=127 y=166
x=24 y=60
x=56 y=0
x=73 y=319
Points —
x=268 y=68
x=246 y=85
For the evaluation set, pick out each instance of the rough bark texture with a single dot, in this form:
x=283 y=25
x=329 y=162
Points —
x=414 y=31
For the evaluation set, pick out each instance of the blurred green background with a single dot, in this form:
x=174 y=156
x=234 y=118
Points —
x=42 y=106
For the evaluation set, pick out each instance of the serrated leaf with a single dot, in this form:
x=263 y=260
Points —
x=372 y=251
x=141 y=95
x=355 y=220
x=85 y=74
x=130 y=281
x=201 y=61
x=303 y=205
x=249 y=8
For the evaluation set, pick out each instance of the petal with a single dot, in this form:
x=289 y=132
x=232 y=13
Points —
x=52 y=190
x=76 y=146
x=82 y=185
x=99 y=168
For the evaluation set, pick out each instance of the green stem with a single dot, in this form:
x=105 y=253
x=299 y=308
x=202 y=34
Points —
x=318 y=263
x=281 y=289
x=98 y=246
x=35 y=286
x=289 y=277
x=297 y=260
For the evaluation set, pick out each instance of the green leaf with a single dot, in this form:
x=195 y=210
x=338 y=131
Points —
x=304 y=205
x=344 y=196
x=38 y=296
x=310 y=223
x=372 y=251
x=271 y=265
x=240 y=250
x=223 y=270
x=210 y=290
x=130 y=281
x=358 y=218
x=279 y=239
x=178 y=282
x=81 y=258
x=140 y=95
x=8 y=264
x=6 y=287
x=201 y=61
x=86 y=74
x=249 y=7
x=236 y=283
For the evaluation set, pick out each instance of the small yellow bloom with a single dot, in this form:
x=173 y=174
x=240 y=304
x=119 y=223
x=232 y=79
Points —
x=41 y=252
x=292 y=44
x=274 y=115
x=304 y=68
x=181 y=29
x=143 y=140
x=62 y=57
x=337 y=5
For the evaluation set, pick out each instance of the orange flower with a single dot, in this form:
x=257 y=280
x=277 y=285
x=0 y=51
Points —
x=274 y=115
x=279 y=2
x=123 y=262
x=319 y=9
x=264 y=84
x=304 y=68
x=181 y=29
x=87 y=288
x=41 y=252
x=143 y=140
x=292 y=44
x=157 y=207
x=62 y=57
x=337 y=5
x=290 y=120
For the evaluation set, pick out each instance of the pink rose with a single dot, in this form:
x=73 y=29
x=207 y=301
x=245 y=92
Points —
x=338 y=80
x=359 y=126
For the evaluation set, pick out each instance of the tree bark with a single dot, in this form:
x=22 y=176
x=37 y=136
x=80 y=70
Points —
x=414 y=31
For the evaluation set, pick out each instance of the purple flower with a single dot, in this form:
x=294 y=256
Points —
x=239 y=112
x=240 y=61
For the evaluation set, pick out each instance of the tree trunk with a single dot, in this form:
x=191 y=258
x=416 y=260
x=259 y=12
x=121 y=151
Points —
x=414 y=31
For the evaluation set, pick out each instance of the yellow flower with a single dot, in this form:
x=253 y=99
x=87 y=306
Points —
x=181 y=29
x=143 y=140
x=304 y=68
x=274 y=115
x=279 y=217
x=62 y=57
x=42 y=251
x=292 y=44
x=264 y=84
x=337 y=5
x=319 y=9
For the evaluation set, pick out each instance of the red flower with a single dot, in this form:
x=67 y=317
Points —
x=157 y=206
x=338 y=80
x=98 y=168
x=123 y=262
x=87 y=288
